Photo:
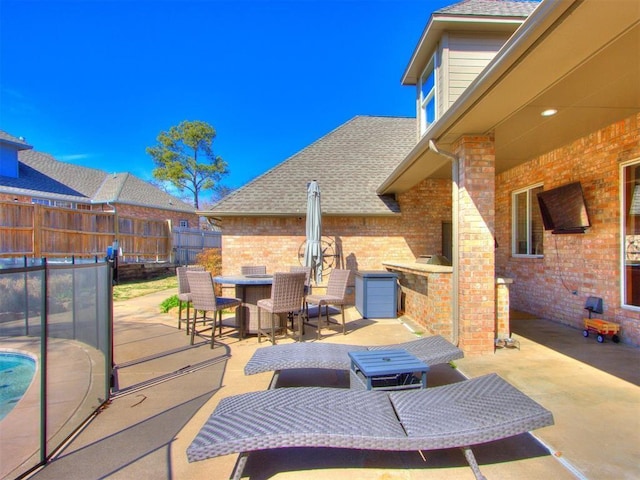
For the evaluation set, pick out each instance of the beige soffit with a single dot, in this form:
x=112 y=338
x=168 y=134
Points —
x=581 y=57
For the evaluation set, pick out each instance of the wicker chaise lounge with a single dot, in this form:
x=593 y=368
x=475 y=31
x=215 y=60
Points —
x=431 y=350
x=460 y=415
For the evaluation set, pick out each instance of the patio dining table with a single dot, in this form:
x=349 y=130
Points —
x=250 y=289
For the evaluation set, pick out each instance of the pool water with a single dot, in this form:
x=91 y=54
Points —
x=16 y=374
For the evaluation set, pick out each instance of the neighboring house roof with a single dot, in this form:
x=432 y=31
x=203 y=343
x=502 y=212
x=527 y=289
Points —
x=17 y=142
x=349 y=163
x=41 y=175
x=491 y=8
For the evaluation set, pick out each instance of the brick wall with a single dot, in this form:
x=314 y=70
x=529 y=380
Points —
x=503 y=326
x=157 y=214
x=362 y=243
x=589 y=263
x=427 y=300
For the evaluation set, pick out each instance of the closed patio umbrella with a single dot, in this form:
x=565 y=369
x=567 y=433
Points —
x=313 y=249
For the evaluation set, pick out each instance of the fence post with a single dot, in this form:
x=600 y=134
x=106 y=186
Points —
x=37 y=230
x=44 y=333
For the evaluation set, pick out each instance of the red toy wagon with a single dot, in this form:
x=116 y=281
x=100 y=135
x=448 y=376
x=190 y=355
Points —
x=601 y=328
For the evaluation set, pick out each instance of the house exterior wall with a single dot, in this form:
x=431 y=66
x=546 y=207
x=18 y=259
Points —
x=363 y=243
x=463 y=57
x=8 y=161
x=459 y=59
x=158 y=214
x=589 y=263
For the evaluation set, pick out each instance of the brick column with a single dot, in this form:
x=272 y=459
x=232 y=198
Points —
x=503 y=324
x=476 y=245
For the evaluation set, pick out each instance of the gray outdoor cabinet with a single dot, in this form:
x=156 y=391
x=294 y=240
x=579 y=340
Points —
x=377 y=294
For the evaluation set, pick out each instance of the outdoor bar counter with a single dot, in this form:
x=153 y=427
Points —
x=425 y=296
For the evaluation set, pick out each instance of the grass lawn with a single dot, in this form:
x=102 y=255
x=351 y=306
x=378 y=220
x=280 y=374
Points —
x=125 y=291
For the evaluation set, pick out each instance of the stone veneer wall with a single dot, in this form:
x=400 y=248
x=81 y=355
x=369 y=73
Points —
x=589 y=263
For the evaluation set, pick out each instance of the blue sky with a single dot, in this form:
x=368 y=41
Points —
x=93 y=82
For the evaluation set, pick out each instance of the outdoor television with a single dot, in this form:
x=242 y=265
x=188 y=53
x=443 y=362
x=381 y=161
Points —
x=563 y=209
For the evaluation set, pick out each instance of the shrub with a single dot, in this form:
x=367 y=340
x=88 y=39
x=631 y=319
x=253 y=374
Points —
x=211 y=259
x=169 y=303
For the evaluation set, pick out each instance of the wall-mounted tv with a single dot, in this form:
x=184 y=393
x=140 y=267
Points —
x=564 y=210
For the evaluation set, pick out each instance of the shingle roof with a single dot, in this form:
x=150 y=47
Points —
x=349 y=163
x=17 y=142
x=491 y=8
x=41 y=175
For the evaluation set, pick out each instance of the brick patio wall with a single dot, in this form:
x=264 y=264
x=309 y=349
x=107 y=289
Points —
x=362 y=243
x=427 y=300
x=359 y=243
x=589 y=263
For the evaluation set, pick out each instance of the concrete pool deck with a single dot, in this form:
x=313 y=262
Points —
x=168 y=389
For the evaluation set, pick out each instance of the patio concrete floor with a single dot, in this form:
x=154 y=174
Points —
x=167 y=389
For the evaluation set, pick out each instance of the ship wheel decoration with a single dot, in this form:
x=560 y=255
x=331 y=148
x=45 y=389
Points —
x=329 y=255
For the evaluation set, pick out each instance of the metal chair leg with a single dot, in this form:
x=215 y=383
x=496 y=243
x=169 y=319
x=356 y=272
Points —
x=273 y=329
x=193 y=327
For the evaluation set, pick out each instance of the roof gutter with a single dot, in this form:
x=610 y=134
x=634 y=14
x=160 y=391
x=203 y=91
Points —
x=542 y=18
x=455 y=275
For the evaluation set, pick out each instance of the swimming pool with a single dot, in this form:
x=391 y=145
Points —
x=16 y=374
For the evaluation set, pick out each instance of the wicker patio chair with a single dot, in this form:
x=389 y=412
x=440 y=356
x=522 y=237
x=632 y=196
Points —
x=184 y=293
x=287 y=293
x=458 y=415
x=253 y=270
x=335 y=295
x=204 y=299
x=307 y=290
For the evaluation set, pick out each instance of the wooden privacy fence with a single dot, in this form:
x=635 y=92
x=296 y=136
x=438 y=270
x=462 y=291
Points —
x=188 y=242
x=34 y=230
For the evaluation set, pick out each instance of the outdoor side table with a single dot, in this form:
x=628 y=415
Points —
x=393 y=369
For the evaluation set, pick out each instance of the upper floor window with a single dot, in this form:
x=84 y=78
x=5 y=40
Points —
x=527 y=228
x=428 y=96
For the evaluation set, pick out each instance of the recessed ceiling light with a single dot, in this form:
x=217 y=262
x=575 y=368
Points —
x=549 y=112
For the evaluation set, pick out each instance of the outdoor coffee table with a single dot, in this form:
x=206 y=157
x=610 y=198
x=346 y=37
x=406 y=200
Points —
x=393 y=369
